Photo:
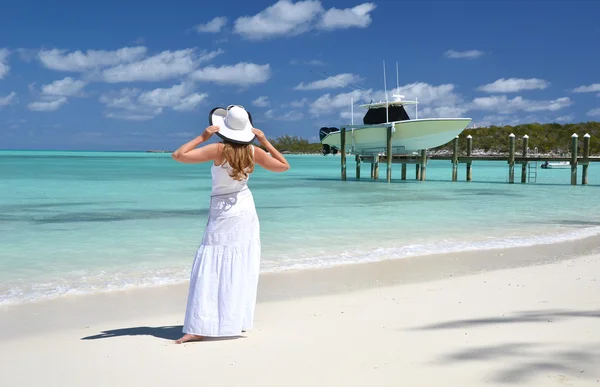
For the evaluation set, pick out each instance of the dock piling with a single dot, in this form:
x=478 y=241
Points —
x=455 y=159
x=511 y=158
x=389 y=154
x=586 y=156
x=524 y=165
x=423 y=165
x=574 y=146
x=526 y=158
x=469 y=151
x=343 y=154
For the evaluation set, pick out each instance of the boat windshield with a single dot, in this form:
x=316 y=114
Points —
x=378 y=115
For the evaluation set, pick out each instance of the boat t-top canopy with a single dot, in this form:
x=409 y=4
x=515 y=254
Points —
x=395 y=102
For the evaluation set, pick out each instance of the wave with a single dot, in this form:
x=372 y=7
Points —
x=78 y=283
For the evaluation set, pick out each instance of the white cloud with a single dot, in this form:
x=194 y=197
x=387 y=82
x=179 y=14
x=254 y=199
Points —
x=8 y=100
x=566 y=118
x=79 y=61
x=47 y=106
x=127 y=107
x=328 y=103
x=280 y=19
x=286 y=18
x=162 y=66
x=502 y=104
x=299 y=103
x=190 y=102
x=66 y=87
x=594 y=112
x=54 y=95
x=346 y=18
x=292 y=115
x=442 y=111
x=27 y=54
x=512 y=85
x=213 y=26
x=469 y=54
x=333 y=82
x=358 y=116
x=179 y=97
x=241 y=74
x=130 y=116
x=4 y=67
x=261 y=101
x=134 y=105
x=441 y=95
x=588 y=89
x=313 y=62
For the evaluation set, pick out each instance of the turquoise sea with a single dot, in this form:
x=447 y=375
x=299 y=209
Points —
x=80 y=222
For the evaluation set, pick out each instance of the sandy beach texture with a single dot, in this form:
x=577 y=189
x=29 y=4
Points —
x=495 y=318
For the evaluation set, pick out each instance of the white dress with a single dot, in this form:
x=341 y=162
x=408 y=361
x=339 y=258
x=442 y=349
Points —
x=224 y=278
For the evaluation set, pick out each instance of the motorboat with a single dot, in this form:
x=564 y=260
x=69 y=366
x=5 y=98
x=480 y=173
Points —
x=408 y=135
x=556 y=165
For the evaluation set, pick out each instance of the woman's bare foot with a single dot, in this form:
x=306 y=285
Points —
x=188 y=337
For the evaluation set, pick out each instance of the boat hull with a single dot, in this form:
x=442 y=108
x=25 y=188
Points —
x=556 y=166
x=409 y=136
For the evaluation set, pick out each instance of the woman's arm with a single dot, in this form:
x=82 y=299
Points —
x=188 y=154
x=276 y=162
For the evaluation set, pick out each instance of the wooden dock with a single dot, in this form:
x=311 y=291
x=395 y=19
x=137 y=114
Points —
x=420 y=161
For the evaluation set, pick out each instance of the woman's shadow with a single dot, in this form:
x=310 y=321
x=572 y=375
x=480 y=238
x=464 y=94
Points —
x=172 y=332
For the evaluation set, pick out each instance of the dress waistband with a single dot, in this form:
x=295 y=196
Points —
x=229 y=193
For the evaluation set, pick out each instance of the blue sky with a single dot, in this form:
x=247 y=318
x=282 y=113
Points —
x=143 y=75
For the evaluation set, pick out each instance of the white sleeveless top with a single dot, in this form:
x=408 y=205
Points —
x=223 y=183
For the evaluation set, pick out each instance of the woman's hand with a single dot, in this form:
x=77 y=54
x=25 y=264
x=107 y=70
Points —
x=208 y=132
x=260 y=136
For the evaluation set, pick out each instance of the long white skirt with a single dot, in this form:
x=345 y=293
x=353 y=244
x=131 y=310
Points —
x=224 y=278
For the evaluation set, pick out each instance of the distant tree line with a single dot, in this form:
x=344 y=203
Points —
x=295 y=144
x=548 y=138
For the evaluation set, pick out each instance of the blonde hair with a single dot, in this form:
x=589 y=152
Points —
x=240 y=158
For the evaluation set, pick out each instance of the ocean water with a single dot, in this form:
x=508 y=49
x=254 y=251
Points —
x=81 y=222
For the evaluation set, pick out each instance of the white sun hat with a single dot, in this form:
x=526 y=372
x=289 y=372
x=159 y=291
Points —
x=234 y=122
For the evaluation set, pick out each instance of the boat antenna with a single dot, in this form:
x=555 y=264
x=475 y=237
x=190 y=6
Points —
x=397 y=80
x=416 y=108
x=387 y=116
x=352 y=109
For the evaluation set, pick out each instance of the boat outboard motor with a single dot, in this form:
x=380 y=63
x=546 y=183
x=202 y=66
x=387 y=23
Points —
x=323 y=132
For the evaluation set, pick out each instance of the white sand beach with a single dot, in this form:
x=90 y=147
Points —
x=453 y=320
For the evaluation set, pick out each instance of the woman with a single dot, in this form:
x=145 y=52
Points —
x=224 y=277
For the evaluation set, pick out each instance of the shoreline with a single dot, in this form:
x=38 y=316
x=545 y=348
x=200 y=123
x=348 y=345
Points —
x=74 y=310
x=527 y=319
x=366 y=257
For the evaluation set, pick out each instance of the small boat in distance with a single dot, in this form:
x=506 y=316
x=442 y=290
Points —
x=408 y=135
x=556 y=165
